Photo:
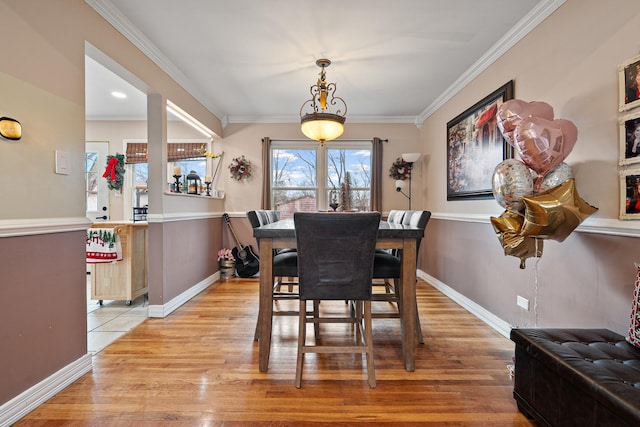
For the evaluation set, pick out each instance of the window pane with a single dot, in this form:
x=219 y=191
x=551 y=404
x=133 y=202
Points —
x=361 y=200
x=290 y=201
x=294 y=168
x=140 y=176
x=91 y=166
x=197 y=165
x=357 y=162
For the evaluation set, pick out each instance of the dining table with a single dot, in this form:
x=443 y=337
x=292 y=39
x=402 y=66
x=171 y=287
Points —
x=281 y=234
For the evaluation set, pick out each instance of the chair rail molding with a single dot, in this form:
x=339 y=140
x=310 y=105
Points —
x=613 y=227
x=29 y=227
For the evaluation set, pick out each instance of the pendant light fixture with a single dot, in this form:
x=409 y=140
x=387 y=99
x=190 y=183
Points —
x=317 y=120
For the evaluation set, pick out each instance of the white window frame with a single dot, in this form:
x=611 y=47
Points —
x=322 y=187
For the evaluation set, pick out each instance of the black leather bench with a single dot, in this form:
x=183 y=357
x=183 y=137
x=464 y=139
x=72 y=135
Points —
x=577 y=377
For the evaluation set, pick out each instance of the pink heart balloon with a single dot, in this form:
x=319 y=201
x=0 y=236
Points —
x=543 y=144
x=512 y=112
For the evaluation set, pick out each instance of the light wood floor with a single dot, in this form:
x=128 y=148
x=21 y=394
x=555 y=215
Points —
x=199 y=367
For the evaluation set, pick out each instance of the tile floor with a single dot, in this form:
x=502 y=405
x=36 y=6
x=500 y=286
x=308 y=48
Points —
x=109 y=321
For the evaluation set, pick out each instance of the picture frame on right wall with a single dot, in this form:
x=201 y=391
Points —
x=629 y=84
x=629 y=136
x=630 y=194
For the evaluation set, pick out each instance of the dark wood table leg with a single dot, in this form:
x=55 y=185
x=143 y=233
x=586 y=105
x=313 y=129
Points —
x=265 y=311
x=408 y=296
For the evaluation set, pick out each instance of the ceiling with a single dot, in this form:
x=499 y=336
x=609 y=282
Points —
x=254 y=61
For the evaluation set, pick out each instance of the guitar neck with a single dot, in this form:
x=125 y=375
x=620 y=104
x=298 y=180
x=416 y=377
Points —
x=235 y=238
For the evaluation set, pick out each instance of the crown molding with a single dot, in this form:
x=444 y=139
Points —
x=521 y=29
x=114 y=17
x=296 y=119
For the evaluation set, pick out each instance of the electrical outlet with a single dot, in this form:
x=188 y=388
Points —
x=522 y=302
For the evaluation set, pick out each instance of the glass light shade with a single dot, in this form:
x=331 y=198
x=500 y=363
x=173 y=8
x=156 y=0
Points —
x=410 y=157
x=322 y=126
x=400 y=184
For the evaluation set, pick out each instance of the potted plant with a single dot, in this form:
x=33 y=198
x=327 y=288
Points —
x=227 y=263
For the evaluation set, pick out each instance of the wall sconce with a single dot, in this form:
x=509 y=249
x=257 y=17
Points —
x=410 y=158
x=10 y=128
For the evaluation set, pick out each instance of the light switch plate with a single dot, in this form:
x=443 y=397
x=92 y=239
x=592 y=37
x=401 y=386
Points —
x=63 y=162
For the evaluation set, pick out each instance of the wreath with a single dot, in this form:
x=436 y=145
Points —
x=240 y=168
x=399 y=169
x=114 y=171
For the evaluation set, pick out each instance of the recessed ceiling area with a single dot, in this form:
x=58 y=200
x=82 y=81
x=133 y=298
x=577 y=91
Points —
x=253 y=61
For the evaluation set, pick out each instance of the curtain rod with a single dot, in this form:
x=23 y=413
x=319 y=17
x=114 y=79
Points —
x=310 y=140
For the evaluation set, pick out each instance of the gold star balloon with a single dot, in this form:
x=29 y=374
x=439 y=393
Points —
x=555 y=213
x=507 y=226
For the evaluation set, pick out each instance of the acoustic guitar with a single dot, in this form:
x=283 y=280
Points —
x=247 y=262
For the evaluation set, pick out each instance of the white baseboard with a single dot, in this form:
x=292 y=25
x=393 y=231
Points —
x=164 y=310
x=499 y=325
x=30 y=399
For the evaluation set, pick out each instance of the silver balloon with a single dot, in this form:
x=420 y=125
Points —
x=556 y=176
x=511 y=181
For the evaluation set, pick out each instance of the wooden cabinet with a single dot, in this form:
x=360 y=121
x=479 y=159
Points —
x=126 y=279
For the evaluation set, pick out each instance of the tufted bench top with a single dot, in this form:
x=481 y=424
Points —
x=597 y=361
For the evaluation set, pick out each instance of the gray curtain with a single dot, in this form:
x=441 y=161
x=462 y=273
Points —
x=266 y=176
x=376 y=175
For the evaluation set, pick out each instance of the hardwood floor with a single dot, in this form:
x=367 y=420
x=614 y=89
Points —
x=199 y=367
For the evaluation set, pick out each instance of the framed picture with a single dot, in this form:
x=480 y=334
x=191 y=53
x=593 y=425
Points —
x=630 y=138
x=630 y=194
x=629 y=84
x=475 y=146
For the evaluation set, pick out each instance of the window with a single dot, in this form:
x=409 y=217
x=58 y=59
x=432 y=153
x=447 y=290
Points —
x=303 y=174
x=188 y=156
x=140 y=178
x=91 y=179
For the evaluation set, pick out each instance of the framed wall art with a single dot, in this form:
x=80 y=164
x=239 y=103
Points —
x=629 y=84
x=475 y=146
x=630 y=138
x=630 y=194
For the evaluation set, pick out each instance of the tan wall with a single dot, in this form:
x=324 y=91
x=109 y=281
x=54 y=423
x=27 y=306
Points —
x=569 y=61
x=246 y=139
x=43 y=292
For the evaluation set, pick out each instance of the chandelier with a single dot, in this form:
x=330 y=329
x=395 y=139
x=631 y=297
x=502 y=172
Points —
x=318 y=122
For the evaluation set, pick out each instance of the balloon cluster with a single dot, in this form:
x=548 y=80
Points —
x=538 y=191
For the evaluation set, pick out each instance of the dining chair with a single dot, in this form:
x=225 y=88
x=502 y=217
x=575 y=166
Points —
x=285 y=264
x=387 y=266
x=335 y=262
x=395 y=217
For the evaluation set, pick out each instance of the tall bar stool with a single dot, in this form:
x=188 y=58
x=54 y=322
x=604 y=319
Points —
x=285 y=264
x=335 y=262
x=387 y=266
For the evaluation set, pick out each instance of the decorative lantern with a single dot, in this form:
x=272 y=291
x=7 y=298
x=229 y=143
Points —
x=193 y=183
